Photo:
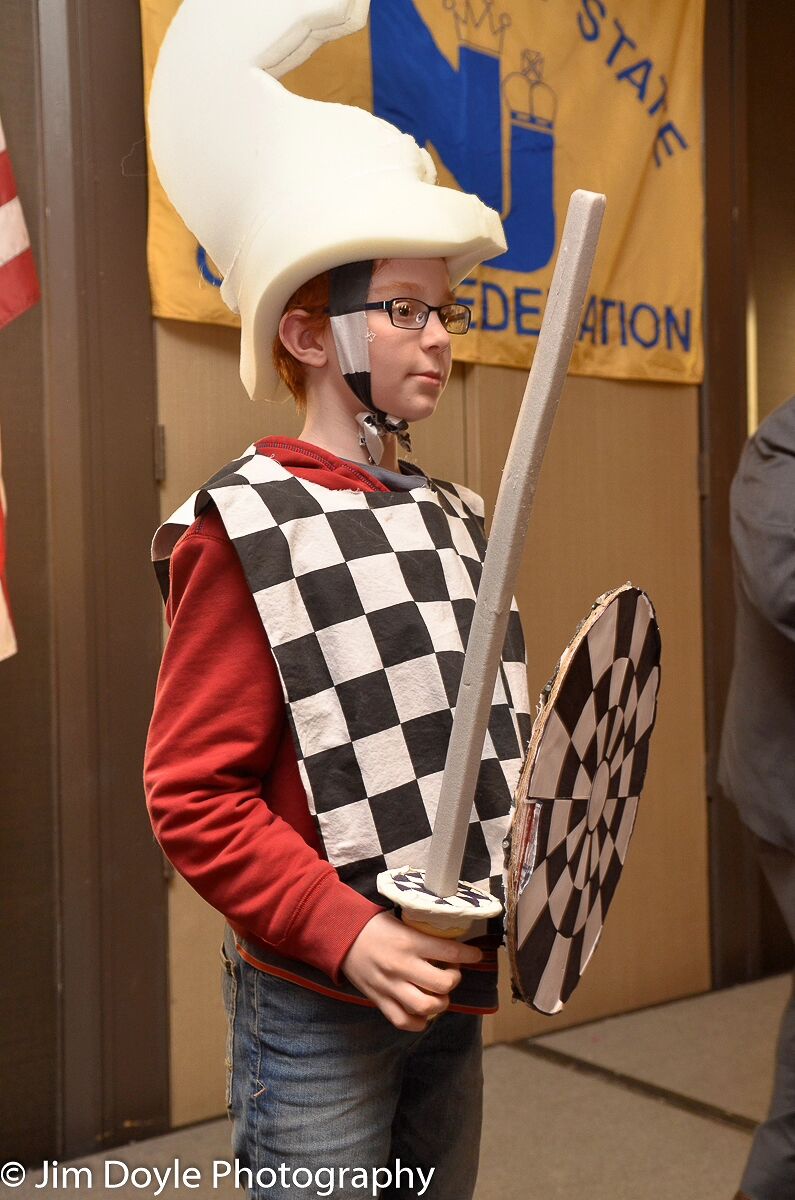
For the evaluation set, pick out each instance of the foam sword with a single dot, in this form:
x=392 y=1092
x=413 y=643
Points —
x=436 y=899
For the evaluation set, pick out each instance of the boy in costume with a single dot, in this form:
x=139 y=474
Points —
x=319 y=598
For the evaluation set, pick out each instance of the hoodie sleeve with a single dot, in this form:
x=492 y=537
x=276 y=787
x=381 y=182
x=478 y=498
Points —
x=219 y=749
x=763 y=520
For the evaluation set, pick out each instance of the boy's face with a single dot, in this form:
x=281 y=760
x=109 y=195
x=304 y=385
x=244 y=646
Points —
x=409 y=367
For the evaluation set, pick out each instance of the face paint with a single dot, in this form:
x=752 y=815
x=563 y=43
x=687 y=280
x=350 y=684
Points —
x=349 y=287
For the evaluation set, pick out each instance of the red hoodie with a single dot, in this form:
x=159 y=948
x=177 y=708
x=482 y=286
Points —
x=224 y=793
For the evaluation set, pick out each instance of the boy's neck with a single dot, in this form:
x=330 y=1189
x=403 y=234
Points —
x=340 y=437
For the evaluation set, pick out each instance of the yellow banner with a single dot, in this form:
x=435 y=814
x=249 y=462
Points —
x=522 y=102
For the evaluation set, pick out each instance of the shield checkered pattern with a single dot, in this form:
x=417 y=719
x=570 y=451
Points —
x=367 y=600
x=578 y=795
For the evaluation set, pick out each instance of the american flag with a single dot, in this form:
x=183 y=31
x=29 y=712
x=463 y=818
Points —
x=19 y=290
x=19 y=284
x=8 y=643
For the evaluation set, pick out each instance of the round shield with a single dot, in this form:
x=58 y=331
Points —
x=578 y=795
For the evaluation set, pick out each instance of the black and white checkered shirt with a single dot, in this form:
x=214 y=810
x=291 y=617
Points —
x=367 y=600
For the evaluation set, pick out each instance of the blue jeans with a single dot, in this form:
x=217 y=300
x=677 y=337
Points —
x=328 y=1099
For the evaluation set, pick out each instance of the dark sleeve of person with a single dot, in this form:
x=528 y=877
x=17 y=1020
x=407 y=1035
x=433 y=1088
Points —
x=763 y=520
x=218 y=748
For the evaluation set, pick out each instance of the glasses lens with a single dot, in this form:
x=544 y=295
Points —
x=455 y=317
x=409 y=314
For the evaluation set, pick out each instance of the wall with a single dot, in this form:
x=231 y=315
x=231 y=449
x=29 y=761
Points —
x=771 y=181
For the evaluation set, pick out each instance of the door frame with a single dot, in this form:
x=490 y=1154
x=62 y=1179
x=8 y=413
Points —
x=100 y=415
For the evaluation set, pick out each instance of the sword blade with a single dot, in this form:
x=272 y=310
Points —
x=506 y=541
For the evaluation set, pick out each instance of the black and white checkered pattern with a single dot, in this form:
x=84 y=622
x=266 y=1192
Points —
x=414 y=881
x=578 y=796
x=367 y=601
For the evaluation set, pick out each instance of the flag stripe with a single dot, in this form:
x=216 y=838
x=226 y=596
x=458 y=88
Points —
x=19 y=287
x=8 y=184
x=8 y=643
x=13 y=231
x=19 y=290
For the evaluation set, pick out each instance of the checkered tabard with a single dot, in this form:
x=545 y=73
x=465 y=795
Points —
x=367 y=600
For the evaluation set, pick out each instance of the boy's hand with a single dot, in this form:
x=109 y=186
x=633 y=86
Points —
x=394 y=965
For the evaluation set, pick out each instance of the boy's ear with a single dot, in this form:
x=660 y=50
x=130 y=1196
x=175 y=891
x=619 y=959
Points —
x=299 y=335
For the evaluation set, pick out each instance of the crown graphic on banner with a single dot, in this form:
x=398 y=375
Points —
x=530 y=100
x=482 y=32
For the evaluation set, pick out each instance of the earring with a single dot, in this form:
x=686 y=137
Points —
x=370 y=335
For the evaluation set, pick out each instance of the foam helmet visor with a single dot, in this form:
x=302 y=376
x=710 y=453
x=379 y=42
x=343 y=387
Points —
x=278 y=188
x=349 y=286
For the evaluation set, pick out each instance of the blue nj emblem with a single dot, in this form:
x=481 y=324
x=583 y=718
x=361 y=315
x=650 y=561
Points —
x=461 y=113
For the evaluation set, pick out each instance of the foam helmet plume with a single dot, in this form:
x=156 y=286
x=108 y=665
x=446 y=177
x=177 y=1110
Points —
x=278 y=188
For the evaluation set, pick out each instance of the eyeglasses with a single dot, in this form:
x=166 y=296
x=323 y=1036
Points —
x=407 y=313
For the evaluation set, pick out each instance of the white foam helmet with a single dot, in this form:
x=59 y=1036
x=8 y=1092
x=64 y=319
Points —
x=278 y=188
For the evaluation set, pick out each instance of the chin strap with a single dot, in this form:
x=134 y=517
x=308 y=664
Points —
x=349 y=286
x=369 y=437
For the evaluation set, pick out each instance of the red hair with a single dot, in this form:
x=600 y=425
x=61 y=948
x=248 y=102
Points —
x=314 y=297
